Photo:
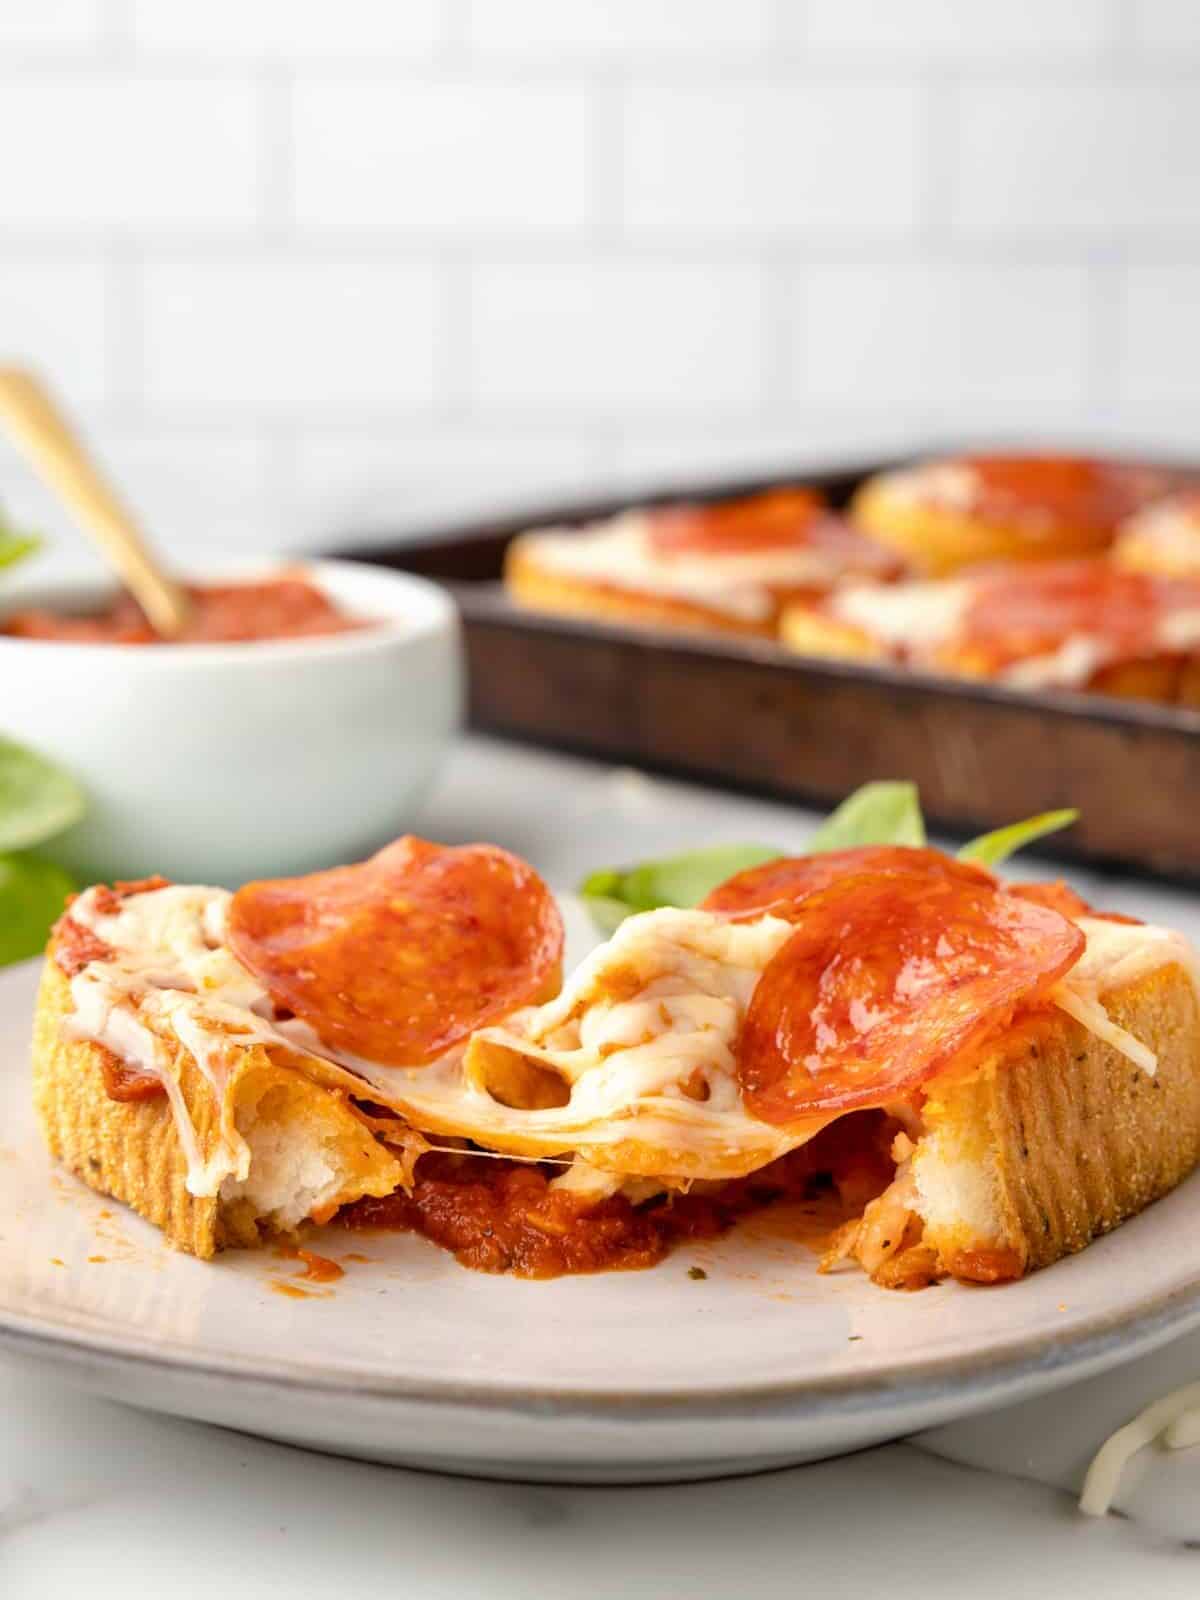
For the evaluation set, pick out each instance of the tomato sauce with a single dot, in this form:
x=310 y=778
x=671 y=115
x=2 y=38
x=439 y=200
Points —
x=503 y=1216
x=227 y=613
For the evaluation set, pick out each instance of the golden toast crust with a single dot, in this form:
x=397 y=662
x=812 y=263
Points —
x=131 y=1149
x=127 y=1149
x=1072 y=1137
x=534 y=585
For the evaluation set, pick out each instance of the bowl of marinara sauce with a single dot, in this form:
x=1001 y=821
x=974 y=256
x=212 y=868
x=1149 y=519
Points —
x=297 y=723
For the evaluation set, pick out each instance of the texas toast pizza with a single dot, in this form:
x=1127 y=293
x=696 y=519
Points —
x=1078 y=625
x=987 y=1076
x=728 y=566
x=943 y=515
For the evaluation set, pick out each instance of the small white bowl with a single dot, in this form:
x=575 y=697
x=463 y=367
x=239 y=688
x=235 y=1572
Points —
x=215 y=763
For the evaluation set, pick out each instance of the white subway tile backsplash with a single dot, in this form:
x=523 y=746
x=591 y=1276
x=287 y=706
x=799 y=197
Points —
x=305 y=266
x=949 y=29
x=191 y=492
x=750 y=157
x=50 y=24
x=617 y=338
x=935 y=336
x=442 y=154
x=1159 y=340
x=304 y=30
x=54 y=316
x=370 y=487
x=274 y=337
x=1166 y=25
x=615 y=29
x=1111 y=156
x=123 y=150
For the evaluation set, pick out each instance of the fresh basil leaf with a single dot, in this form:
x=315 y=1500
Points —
x=991 y=848
x=37 y=798
x=32 y=894
x=685 y=880
x=606 y=913
x=15 y=547
x=878 y=813
x=682 y=880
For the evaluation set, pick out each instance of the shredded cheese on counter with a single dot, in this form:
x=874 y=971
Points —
x=1173 y=1421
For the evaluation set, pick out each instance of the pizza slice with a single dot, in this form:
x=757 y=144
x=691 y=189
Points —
x=984 y=1076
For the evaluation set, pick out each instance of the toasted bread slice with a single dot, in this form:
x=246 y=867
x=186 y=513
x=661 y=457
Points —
x=1055 y=1139
x=936 y=539
x=541 y=588
x=309 y=1151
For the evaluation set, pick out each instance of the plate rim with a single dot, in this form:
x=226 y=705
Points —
x=1106 y=1340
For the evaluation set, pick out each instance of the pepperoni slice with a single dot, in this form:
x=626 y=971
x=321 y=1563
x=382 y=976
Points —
x=778 y=519
x=401 y=957
x=1060 y=897
x=1017 y=612
x=1052 y=492
x=886 y=981
x=780 y=886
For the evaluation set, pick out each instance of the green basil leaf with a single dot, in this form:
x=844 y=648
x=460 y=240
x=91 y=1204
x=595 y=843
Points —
x=878 y=813
x=15 y=547
x=606 y=913
x=32 y=894
x=991 y=848
x=37 y=798
x=683 y=880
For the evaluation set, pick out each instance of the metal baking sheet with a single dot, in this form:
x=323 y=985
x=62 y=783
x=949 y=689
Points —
x=750 y=715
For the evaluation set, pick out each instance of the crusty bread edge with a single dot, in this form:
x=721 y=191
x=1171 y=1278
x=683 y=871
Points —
x=131 y=1150
x=1066 y=1134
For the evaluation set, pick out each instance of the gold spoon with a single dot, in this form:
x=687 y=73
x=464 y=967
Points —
x=56 y=451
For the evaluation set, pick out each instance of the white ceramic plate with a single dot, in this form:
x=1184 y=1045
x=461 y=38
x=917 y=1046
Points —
x=618 y=1377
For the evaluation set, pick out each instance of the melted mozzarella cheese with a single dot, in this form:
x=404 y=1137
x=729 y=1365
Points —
x=619 y=553
x=640 y=1046
x=907 y=616
x=1118 y=954
x=632 y=1069
x=954 y=485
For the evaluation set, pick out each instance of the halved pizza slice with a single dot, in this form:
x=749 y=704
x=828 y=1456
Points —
x=985 y=1076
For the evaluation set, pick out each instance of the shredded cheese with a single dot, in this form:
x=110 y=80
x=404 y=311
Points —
x=1174 y=1421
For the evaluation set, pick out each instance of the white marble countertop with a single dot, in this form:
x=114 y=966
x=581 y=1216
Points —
x=102 y=1500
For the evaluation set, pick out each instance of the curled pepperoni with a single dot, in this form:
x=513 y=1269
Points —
x=779 y=887
x=1060 y=897
x=401 y=957
x=778 y=519
x=1017 y=612
x=1062 y=491
x=886 y=981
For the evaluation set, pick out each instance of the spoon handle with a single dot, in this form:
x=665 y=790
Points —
x=38 y=426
